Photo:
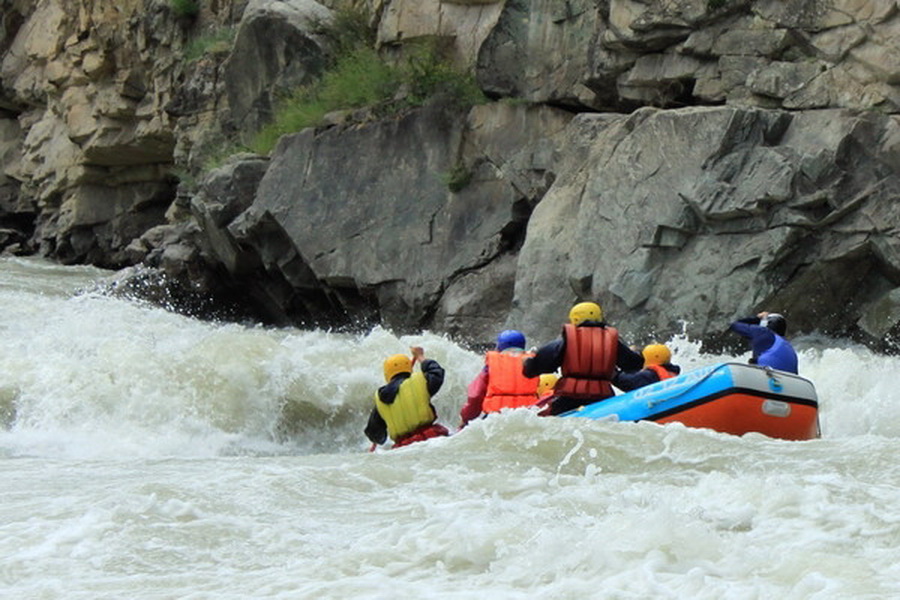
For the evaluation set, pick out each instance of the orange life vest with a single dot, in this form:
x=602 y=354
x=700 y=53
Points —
x=589 y=362
x=507 y=387
x=662 y=372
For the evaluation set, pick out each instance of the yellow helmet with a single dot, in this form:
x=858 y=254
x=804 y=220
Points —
x=585 y=311
x=656 y=354
x=398 y=363
x=546 y=383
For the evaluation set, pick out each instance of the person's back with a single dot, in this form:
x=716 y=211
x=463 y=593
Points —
x=507 y=386
x=657 y=367
x=769 y=347
x=403 y=409
x=587 y=354
x=500 y=383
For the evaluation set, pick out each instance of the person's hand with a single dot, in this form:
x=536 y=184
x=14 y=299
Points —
x=763 y=314
x=418 y=353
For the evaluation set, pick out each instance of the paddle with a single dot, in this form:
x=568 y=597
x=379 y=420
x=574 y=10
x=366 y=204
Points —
x=412 y=364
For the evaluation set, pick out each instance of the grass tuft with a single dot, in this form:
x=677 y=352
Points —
x=362 y=78
x=218 y=41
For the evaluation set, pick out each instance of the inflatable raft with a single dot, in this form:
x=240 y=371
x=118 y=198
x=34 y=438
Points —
x=733 y=398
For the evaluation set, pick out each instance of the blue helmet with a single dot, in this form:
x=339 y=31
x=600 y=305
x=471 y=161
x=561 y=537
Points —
x=511 y=338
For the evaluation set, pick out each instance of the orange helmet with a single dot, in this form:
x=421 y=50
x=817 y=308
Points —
x=656 y=354
x=398 y=363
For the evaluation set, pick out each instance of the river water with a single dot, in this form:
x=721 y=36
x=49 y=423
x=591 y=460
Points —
x=147 y=455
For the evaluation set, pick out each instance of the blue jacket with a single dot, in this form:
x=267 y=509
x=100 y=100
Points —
x=769 y=348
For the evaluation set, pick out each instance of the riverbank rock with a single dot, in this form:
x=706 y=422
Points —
x=673 y=220
x=413 y=222
x=701 y=215
x=684 y=163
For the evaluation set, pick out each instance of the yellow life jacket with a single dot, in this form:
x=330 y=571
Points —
x=410 y=410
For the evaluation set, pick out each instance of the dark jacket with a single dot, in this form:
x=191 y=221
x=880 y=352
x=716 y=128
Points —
x=376 y=428
x=632 y=381
x=769 y=348
x=549 y=358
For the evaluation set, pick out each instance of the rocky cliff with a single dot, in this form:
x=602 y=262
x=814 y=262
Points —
x=682 y=162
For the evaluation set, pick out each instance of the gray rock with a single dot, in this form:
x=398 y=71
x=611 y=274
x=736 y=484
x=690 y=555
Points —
x=881 y=315
x=350 y=234
x=540 y=50
x=226 y=193
x=275 y=51
x=783 y=79
x=699 y=215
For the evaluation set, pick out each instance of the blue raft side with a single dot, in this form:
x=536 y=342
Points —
x=645 y=402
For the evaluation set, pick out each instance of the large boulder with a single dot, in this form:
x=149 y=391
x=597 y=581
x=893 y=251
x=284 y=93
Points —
x=227 y=192
x=414 y=221
x=541 y=50
x=275 y=51
x=690 y=218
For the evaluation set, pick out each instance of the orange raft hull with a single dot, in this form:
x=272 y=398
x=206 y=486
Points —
x=730 y=398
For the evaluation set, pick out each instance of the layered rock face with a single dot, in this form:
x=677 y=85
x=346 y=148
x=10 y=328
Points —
x=360 y=224
x=110 y=109
x=697 y=214
x=622 y=54
x=86 y=87
x=682 y=162
x=674 y=220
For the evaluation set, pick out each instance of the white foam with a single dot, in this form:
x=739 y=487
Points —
x=144 y=459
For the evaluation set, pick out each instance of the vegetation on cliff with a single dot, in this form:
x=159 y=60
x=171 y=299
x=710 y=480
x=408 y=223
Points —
x=359 y=76
x=216 y=41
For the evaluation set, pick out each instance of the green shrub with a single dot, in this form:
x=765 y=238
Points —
x=293 y=113
x=359 y=77
x=185 y=8
x=428 y=75
x=457 y=178
x=348 y=30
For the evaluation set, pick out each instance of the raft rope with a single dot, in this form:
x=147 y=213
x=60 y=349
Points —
x=653 y=402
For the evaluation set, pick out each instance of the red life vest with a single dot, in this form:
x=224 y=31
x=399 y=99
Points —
x=589 y=362
x=662 y=372
x=507 y=386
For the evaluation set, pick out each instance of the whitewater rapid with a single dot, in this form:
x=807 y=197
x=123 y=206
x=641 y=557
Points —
x=148 y=455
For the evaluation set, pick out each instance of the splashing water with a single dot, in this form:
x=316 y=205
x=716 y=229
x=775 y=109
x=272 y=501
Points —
x=148 y=455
